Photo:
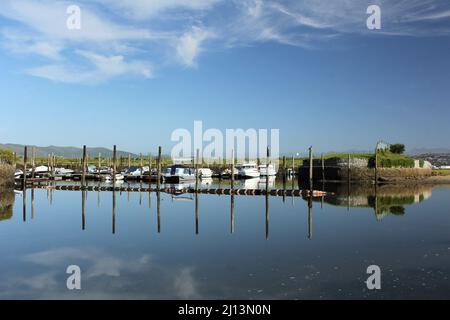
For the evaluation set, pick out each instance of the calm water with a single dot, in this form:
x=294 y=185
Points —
x=259 y=250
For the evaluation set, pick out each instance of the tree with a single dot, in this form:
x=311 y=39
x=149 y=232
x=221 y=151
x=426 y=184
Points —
x=397 y=148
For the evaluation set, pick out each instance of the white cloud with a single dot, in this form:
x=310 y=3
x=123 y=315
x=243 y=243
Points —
x=141 y=9
x=48 y=18
x=158 y=30
x=189 y=45
x=19 y=43
x=104 y=68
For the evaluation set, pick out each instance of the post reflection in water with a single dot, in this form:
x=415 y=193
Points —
x=267 y=215
x=83 y=210
x=114 y=212
x=158 y=209
x=232 y=214
x=196 y=213
x=32 y=204
x=310 y=206
x=24 y=205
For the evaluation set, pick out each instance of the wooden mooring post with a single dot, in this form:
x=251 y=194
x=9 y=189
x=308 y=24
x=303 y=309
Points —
x=83 y=166
x=196 y=169
x=114 y=164
x=311 y=167
x=33 y=162
x=158 y=182
x=323 y=168
x=267 y=169
x=142 y=166
x=376 y=164
x=25 y=159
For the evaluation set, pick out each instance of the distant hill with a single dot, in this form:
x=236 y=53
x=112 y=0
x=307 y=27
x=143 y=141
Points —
x=420 y=151
x=66 y=152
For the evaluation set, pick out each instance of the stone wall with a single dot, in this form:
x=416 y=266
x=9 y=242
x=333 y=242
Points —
x=338 y=169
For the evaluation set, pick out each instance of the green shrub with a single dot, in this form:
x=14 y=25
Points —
x=397 y=148
x=6 y=156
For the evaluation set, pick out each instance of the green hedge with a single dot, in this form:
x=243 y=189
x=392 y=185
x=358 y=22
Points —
x=388 y=159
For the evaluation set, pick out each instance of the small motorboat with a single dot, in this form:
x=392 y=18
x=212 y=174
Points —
x=136 y=171
x=40 y=169
x=63 y=172
x=109 y=178
x=18 y=174
x=249 y=170
x=205 y=173
x=267 y=170
x=227 y=173
x=178 y=173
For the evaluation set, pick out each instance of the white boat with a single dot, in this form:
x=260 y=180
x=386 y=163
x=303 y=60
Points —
x=63 y=172
x=205 y=173
x=178 y=173
x=119 y=177
x=269 y=170
x=40 y=169
x=136 y=171
x=103 y=170
x=18 y=174
x=249 y=170
x=227 y=173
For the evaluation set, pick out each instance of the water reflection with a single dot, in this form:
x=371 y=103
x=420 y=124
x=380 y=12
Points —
x=261 y=246
x=384 y=199
x=6 y=204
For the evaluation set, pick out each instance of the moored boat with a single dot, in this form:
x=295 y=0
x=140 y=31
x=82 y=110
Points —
x=205 y=173
x=249 y=170
x=178 y=173
x=267 y=170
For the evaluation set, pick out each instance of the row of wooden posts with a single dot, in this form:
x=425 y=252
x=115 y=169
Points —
x=52 y=162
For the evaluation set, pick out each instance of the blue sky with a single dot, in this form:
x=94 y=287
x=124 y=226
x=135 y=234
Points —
x=137 y=70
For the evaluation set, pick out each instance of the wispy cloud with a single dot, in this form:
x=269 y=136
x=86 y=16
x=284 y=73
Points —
x=189 y=45
x=103 y=68
x=133 y=37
